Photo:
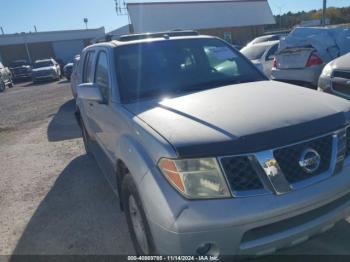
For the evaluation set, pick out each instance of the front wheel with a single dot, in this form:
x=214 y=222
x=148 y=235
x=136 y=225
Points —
x=137 y=223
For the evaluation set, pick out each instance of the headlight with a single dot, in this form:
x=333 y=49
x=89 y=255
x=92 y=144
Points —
x=327 y=70
x=195 y=178
x=324 y=82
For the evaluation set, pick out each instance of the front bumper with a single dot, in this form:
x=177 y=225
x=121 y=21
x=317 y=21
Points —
x=307 y=75
x=21 y=75
x=43 y=77
x=243 y=226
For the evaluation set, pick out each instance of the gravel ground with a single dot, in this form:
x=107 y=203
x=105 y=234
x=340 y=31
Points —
x=53 y=197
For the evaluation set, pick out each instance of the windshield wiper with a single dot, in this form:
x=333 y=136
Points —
x=209 y=85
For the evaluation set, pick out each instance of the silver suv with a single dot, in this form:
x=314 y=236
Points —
x=208 y=156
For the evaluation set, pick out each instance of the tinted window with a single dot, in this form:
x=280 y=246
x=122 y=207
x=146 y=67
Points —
x=87 y=71
x=45 y=63
x=18 y=63
x=178 y=66
x=101 y=75
x=272 y=52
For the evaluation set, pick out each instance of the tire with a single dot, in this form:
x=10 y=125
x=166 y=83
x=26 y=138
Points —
x=2 y=86
x=10 y=84
x=136 y=218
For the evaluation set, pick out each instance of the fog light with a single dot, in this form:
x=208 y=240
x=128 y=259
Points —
x=208 y=249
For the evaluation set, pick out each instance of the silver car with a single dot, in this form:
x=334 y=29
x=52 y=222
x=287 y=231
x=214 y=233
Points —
x=207 y=155
x=262 y=55
x=46 y=69
x=301 y=65
x=335 y=77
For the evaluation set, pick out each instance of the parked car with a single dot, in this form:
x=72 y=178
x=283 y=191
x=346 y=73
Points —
x=46 y=69
x=20 y=70
x=5 y=78
x=266 y=38
x=301 y=66
x=262 y=55
x=335 y=77
x=208 y=156
x=67 y=70
x=76 y=75
x=304 y=53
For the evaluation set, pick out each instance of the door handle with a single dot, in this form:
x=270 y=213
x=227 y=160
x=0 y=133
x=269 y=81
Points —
x=91 y=104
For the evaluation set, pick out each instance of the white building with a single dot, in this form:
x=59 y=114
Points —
x=235 y=20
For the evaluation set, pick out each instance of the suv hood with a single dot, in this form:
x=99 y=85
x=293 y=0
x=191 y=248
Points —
x=242 y=118
x=44 y=68
x=20 y=67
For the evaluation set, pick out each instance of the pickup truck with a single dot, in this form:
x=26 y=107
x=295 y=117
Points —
x=20 y=69
x=5 y=78
x=209 y=157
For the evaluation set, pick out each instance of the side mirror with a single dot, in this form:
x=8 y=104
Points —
x=90 y=92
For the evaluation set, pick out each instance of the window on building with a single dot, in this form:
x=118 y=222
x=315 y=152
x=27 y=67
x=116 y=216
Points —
x=102 y=75
x=87 y=70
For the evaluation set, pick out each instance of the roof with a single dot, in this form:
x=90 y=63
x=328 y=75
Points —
x=162 y=16
x=123 y=30
x=267 y=43
x=50 y=36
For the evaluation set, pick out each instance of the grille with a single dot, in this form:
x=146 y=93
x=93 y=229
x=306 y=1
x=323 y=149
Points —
x=240 y=174
x=342 y=74
x=288 y=158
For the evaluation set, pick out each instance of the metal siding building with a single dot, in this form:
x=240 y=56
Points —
x=62 y=45
x=235 y=20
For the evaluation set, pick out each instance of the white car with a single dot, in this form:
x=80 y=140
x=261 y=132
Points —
x=301 y=65
x=46 y=69
x=262 y=55
x=335 y=77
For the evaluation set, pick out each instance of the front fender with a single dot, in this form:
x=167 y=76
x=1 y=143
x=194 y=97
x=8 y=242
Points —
x=134 y=156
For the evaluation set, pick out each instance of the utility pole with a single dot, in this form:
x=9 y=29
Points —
x=86 y=21
x=2 y=30
x=323 y=19
x=35 y=29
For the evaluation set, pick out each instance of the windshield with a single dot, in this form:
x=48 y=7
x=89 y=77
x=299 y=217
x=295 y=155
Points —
x=254 y=52
x=178 y=66
x=43 y=64
x=18 y=63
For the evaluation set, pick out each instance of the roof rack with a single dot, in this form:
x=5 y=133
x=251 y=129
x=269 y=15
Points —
x=166 y=34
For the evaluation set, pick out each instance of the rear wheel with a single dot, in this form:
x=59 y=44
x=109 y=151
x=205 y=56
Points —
x=138 y=226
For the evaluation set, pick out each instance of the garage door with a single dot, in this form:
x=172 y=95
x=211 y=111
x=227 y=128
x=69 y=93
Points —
x=66 y=50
